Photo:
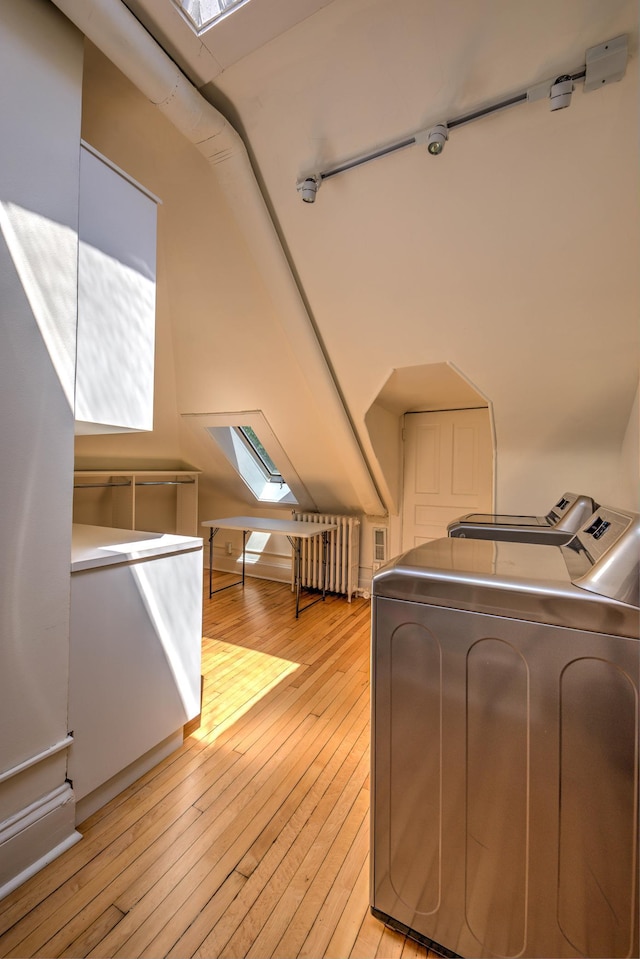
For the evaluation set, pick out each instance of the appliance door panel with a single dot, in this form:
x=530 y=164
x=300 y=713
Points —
x=504 y=782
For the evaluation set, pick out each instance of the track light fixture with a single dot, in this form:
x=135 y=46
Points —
x=436 y=139
x=308 y=187
x=560 y=93
x=605 y=63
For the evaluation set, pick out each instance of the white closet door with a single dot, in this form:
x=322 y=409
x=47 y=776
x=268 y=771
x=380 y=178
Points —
x=448 y=471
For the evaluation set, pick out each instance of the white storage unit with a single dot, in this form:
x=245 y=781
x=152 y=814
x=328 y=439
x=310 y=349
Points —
x=116 y=299
x=134 y=669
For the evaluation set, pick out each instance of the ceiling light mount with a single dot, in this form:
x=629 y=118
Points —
x=560 y=93
x=308 y=186
x=436 y=139
x=605 y=63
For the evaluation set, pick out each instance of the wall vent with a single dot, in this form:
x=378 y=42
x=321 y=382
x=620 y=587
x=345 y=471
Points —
x=379 y=546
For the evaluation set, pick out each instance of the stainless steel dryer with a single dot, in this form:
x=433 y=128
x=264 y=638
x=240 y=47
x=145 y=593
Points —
x=505 y=682
x=561 y=523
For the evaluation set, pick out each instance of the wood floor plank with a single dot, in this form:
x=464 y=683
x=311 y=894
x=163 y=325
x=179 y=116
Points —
x=390 y=945
x=308 y=934
x=93 y=933
x=284 y=910
x=331 y=765
x=279 y=860
x=368 y=938
x=336 y=889
x=216 y=906
x=252 y=839
x=345 y=931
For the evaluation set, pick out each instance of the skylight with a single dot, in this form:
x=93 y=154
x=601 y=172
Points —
x=253 y=450
x=203 y=13
x=271 y=470
x=249 y=458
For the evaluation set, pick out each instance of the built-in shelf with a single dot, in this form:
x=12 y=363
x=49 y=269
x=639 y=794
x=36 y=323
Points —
x=162 y=501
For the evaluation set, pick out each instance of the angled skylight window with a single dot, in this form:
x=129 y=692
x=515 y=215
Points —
x=252 y=448
x=249 y=457
x=250 y=437
x=201 y=14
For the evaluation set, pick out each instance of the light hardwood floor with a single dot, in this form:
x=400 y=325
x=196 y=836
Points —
x=253 y=839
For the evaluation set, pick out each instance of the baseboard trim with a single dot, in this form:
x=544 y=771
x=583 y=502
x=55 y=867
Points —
x=103 y=794
x=35 y=836
x=38 y=758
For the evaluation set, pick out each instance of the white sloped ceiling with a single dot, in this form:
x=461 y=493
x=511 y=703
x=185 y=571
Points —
x=513 y=256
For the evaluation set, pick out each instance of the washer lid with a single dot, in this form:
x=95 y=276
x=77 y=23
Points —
x=516 y=580
x=501 y=519
x=568 y=514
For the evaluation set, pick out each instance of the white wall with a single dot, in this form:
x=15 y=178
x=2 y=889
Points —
x=40 y=69
x=220 y=344
x=629 y=496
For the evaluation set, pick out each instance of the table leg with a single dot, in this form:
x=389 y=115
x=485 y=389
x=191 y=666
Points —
x=325 y=544
x=212 y=533
x=295 y=545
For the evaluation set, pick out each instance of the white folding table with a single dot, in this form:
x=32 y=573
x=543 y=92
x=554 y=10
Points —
x=294 y=530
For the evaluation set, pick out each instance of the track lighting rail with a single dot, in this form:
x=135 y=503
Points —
x=383 y=151
x=605 y=63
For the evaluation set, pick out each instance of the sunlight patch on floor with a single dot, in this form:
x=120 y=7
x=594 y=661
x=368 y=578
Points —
x=245 y=677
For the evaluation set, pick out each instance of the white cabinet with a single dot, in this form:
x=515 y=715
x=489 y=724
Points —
x=157 y=500
x=134 y=666
x=116 y=300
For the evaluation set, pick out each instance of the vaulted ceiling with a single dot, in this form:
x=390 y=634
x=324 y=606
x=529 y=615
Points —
x=511 y=258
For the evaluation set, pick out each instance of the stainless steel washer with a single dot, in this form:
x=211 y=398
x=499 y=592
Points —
x=505 y=685
x=560 y=524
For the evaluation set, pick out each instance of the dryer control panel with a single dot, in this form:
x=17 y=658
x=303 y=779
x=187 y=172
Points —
x=602 y=532
x=571 y=512
x=609 y=548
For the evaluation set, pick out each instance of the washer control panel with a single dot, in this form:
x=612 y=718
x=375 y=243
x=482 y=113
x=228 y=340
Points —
x=610 y=549
x=604 y=529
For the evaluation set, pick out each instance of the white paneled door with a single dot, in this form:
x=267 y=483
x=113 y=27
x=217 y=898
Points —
x=448 y=471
